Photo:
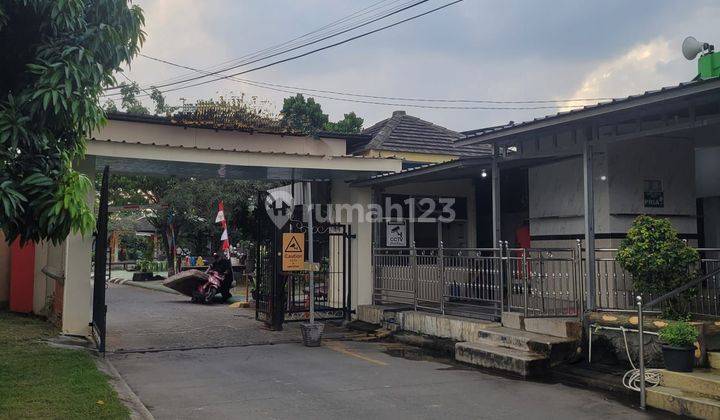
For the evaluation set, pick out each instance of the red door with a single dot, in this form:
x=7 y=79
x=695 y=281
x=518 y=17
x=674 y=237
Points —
x=22 y=276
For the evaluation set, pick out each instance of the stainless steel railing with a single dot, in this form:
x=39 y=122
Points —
x=484 y=281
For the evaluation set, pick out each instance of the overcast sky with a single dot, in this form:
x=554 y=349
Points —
x=476 y=49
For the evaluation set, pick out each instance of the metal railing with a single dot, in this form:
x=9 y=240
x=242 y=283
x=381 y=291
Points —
x=615 y=291
x=464 y=281
x=480 y=282
x=711 y=276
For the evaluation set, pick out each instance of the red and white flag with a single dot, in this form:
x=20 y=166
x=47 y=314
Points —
x=221 y=219
x=221 y=213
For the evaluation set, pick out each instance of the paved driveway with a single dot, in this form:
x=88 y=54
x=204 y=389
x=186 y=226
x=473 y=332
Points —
x=235 y=372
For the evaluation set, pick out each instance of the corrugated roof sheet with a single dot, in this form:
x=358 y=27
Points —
x=579 y=111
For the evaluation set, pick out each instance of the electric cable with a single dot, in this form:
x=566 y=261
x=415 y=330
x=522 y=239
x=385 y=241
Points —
x=216 y=72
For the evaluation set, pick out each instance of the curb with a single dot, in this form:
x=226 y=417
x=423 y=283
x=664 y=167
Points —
x=125 y=393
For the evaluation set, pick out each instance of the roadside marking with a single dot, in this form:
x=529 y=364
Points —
x=340 y=348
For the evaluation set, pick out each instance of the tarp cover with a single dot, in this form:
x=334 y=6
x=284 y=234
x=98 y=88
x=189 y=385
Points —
x=186 y=282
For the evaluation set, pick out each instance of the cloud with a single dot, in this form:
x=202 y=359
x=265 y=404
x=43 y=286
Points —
x=643 y=67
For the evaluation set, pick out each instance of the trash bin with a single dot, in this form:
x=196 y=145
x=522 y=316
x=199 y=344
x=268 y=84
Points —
x=311 y=334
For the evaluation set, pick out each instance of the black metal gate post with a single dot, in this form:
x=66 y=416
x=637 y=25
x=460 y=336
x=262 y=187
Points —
x=99 y=315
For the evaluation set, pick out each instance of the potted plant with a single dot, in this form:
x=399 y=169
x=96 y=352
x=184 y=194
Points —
x=678 y=348
x=659 y=262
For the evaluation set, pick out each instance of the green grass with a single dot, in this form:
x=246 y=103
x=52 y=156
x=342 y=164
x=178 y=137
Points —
x=39 y=381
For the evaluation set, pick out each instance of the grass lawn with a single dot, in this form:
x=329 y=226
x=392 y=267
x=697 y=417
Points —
x=39 y=381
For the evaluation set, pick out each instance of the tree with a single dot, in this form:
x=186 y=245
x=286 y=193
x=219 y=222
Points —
x=658 y=260
x=161 y=107
x=194 y=205
x=129 y=102
x=302 y=116
x=350 y=124
x=58 y=56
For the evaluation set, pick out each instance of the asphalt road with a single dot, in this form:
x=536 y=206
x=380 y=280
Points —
x=249 y=378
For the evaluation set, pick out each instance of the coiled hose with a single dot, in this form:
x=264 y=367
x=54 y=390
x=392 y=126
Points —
x=631 y=379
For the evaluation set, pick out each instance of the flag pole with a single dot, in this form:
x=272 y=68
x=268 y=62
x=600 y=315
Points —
x=308 y=201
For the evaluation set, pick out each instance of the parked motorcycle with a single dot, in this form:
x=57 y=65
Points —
x=219 y=280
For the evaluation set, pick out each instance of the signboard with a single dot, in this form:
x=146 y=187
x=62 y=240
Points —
x=396 y=234
x=654 y=199
x=653 y=195
x=293 y=252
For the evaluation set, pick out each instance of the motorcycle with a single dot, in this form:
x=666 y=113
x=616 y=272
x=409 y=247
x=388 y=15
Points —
x=219 y=280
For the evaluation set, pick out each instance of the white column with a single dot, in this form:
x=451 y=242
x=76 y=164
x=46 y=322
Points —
x=589 y=200
x=497 y=231
x=77 y=293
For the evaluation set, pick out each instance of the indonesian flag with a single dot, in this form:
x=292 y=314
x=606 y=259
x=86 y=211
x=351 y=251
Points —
x=221 y=219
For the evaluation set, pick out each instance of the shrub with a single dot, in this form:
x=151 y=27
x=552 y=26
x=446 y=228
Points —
x=679 y=334
x=659 y=261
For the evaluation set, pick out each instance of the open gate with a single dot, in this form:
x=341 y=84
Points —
x=99 y=313
x=285 y=296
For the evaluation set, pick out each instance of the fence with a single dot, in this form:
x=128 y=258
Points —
x=479 y=282
x=614 y=288
x=540 y=282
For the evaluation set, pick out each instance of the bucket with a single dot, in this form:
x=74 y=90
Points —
x=311 y=334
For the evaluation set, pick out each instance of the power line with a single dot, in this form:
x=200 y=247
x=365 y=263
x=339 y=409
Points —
x=315 y=50
x=389 y=98
x=275 y=47
x=394 y=12
x=262 y=85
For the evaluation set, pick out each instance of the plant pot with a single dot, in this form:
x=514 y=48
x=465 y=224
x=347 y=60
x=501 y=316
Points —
x=679 y=359
x=311 y=334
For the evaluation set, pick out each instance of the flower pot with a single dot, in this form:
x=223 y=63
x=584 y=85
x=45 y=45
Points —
x=311 y=334
x=679 y=359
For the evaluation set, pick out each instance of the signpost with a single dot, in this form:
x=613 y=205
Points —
x=293 y=252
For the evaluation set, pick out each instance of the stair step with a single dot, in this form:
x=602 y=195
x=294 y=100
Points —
x=557 y=327
x=520 y=362
x=714 y=359
x=704 y=382
x=524 y=340
x=683 y=403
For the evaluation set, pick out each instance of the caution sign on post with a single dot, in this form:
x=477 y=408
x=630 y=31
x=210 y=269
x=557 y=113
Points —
x=293 y=252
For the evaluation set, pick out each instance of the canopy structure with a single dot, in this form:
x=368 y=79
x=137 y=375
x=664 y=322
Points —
x=158 y=146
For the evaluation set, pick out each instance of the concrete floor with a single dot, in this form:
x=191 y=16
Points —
x=249 y=377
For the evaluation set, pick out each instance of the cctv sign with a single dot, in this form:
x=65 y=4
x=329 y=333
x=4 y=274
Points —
x=396 y=234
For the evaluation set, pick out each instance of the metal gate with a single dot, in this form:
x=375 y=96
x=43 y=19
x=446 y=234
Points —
x=99 y=313
x=285 y=296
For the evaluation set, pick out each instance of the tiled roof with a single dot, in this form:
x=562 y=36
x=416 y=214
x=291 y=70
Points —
x=405 y=133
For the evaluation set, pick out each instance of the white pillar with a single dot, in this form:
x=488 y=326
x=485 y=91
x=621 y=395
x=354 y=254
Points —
x=496 y=209
x=589 y=200
x=77 y=293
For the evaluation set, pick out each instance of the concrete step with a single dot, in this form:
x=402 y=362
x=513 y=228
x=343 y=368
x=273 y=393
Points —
x=557 y=327
x=556 y=348
x=683 y=403
x=519 y=362
x=703 y=382
x=714 y=359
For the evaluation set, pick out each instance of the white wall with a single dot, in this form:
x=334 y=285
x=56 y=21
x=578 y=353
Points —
x=672 y=162
x=707 y=172
x=77 y=293
x=556 y=193
x=361 y=279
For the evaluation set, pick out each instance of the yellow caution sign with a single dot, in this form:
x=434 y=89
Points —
x=293 y=252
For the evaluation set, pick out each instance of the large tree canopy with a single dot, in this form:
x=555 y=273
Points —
x=58 y=56
x=302 y=116
x=306 y=116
